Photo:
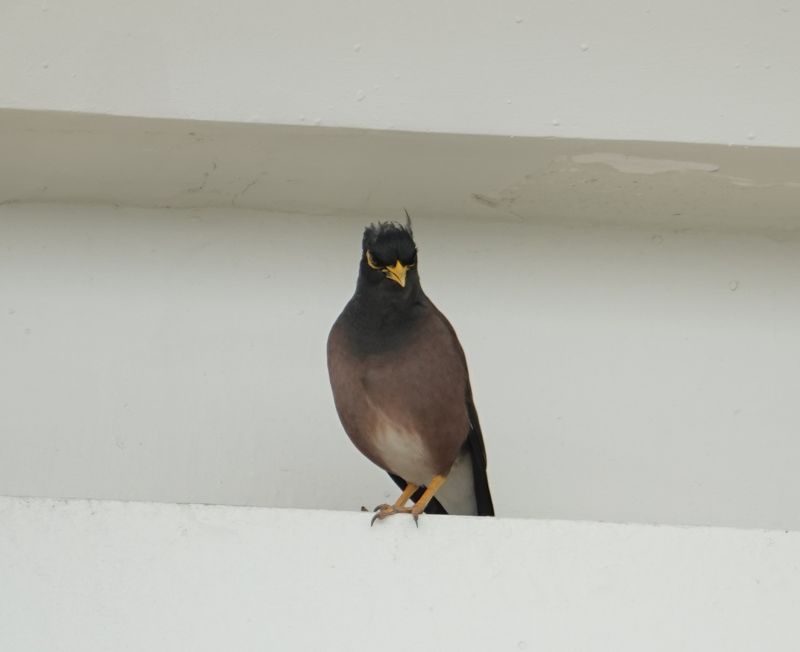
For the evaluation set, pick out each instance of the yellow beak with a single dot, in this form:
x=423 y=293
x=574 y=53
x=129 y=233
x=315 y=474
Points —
x=397 y=273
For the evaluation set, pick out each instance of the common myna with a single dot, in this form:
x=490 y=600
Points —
x=401 y=386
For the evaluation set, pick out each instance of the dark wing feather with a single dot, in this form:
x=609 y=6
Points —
x=477 y=449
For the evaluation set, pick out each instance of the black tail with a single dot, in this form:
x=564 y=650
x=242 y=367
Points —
x=483 y=496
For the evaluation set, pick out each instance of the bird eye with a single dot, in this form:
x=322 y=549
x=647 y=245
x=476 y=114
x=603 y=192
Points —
x=372 y=262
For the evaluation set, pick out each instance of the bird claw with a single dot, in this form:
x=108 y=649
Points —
x=415 y=514
x=383 y=511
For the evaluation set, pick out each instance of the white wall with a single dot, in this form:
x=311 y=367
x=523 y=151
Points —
x=630 y=310
x=92 y=577
x=680 y=70
x=627 y=374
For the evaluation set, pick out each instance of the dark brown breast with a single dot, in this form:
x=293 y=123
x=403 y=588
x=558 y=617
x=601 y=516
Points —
x=418 y=386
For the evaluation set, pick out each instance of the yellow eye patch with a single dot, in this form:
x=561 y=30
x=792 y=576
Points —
x=371 y=260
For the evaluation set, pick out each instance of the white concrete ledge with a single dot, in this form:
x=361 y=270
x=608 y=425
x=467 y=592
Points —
x=84 y=158
x=89 y=576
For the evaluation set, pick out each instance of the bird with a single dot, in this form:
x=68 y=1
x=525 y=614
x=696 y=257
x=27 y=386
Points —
x=401 y=386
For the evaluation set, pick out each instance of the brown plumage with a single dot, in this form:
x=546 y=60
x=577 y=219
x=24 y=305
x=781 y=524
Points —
x=401 y=386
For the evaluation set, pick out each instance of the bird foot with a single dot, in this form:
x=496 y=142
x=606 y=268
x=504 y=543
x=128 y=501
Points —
x=385 y=510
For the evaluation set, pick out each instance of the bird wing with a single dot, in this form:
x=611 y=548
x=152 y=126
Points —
x=474 y=444
x=473 y=455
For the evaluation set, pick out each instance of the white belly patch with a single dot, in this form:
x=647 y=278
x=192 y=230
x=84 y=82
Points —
x=404 y=453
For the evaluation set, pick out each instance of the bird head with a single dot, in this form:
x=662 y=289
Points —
x=389 y=255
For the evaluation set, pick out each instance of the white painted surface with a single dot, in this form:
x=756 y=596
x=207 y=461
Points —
x=678 y=70
x=91 y=577
x=57 y=157
x=626 y=374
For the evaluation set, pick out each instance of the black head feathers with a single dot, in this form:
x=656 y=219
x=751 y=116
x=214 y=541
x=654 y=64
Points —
x=390 y=242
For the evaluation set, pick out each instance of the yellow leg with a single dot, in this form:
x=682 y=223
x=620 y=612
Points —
x=382 y=511
x=407 y=492
x=422 y=503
